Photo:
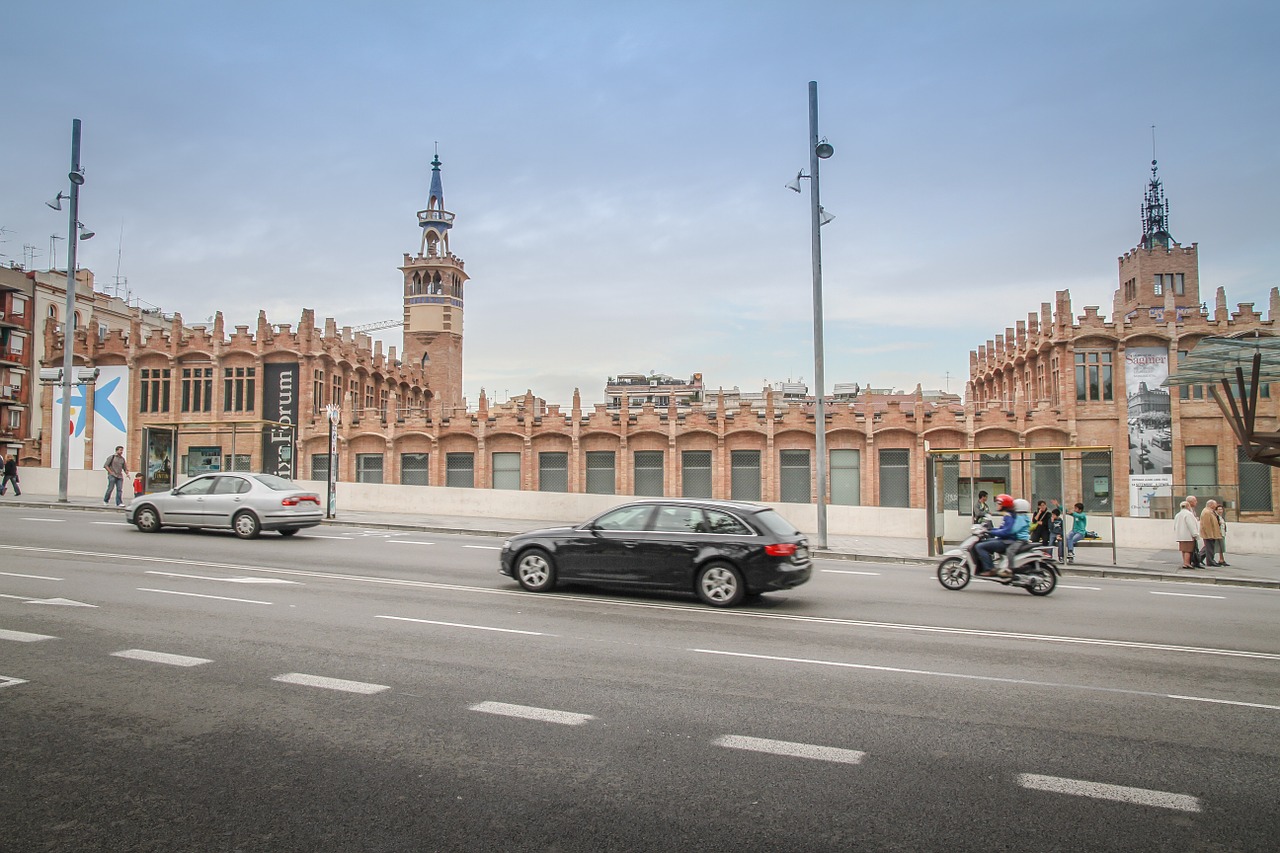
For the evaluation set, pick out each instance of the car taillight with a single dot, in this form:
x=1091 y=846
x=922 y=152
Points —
x=785 y=549
x=294 y=501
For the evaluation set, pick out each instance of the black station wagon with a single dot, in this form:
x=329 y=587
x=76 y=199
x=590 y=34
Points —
x=722 y=551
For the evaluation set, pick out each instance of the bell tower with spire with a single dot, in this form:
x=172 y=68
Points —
x=1159 y=276
x=433 y=294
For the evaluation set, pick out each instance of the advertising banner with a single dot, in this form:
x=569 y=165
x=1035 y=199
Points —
x=76 y=433
x=157 y=445
x=1150 y=427
x=111 y=413
x=280 y=403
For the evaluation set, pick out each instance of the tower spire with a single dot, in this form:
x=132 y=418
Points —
x=1155 y=209
x=435 y=221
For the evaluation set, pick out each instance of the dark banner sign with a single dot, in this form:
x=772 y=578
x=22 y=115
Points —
x=157 y=445
x=280 y=403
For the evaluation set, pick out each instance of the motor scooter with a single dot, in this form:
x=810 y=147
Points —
x=1031 y=567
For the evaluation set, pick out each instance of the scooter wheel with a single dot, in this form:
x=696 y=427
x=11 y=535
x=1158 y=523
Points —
x=953 y=573
x=1043 y=579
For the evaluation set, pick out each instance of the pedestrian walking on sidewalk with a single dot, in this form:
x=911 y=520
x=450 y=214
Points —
x=10 y=476
x=1186 y=529
x=1222 y=542
x=116 y=472
x=1210 y=532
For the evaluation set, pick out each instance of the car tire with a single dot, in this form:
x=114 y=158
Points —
x=246 y=525
x=536 y=570
x=147 y=519
x=288 y=531
x=720 y=585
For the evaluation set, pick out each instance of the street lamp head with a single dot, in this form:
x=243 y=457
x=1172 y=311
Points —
x=56 y=204
x=78 y=179
x=794 y=186
x=824 y=150
x=823 y=216
x=85 y=233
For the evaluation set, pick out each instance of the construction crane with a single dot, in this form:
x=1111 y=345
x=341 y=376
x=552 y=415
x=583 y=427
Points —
x=381 y=324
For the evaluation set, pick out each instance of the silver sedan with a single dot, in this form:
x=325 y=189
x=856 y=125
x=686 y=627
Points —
x=245 y=503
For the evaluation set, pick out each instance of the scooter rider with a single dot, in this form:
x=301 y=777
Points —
x=1016 y=527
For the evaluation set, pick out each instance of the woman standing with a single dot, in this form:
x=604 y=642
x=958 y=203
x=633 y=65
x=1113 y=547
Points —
x=1222 y=540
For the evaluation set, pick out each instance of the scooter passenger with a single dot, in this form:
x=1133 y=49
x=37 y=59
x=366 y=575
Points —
x=1016 y=528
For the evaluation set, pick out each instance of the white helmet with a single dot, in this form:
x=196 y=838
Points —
x=1021 y=505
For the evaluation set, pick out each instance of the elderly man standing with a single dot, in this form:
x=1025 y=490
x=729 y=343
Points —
x=1186 y=529
x=1211 y=532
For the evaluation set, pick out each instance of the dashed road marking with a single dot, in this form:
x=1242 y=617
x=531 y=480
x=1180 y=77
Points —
x=228 y=580
x=9 y=681
x=330 y=683
x=23 y=636
x=113 y=523
x=407 y=542
x=545 y=715
x=1187 y=595
x=484 y=547
x=1093 y=588
x=792 y=750
x=1116 y=793
x=160 y=657
x=848 y=572
x=198 y=595
x=50 y=520
x=460 y=625
x=32 y=577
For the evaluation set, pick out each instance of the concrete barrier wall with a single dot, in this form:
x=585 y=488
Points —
x=1154 y=534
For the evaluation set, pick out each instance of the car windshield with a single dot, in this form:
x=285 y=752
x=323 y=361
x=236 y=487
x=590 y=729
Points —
x=279 y=484
x=776 y=524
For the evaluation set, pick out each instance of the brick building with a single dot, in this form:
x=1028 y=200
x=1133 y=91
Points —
x=1055 y=380
x=17 y=317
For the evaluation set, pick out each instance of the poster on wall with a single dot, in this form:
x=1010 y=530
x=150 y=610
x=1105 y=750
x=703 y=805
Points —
x=111 y=413
x=1150 y=427
x=280 y=403
x=75 y=437
x=157 y=445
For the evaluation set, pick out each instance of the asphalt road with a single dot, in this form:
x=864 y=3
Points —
x=371 y=691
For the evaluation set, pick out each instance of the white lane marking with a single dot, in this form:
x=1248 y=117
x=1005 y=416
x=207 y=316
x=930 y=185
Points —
x=113 y=523
x=1066 y=586
x=686 y=608
x=546 y=715
x=198 y=595
x=1116 y=793
x=9 y=681
x=848 y=572
x=321 y=536
x=23 y=636
x=484 y=547
x=28 y=599
x=50 y=520
x=792 y=750
x=228 y=580
x=160 y=657
x=33 y=577
x=460 y=625
x=993 y=678
x=1187 y=595
x=330 y=683
x=407 y=542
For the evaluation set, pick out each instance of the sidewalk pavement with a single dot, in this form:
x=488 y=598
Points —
x=1092 y=559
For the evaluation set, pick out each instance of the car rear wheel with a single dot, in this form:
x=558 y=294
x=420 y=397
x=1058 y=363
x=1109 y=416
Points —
x=246 y=525
x=147 y=519
x=720 y=585
x=536 y=571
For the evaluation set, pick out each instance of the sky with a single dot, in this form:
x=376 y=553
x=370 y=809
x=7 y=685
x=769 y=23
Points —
x=618 y=169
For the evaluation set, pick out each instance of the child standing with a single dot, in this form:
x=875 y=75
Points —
x=137 y=485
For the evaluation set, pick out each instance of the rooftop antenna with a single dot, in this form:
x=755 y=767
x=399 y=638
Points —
x=29 y=255
x=119 y=252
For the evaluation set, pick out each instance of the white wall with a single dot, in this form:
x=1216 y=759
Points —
x=1146 y=533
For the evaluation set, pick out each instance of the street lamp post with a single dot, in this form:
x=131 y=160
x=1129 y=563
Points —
x=68 y=321
x=818 y=150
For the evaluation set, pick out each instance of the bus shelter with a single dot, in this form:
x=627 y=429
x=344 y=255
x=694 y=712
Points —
x=1068 y=475
x=172 y=452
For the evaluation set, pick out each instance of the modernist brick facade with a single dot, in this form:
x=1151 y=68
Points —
x=405 y=422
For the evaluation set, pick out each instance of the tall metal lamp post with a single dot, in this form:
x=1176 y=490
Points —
x=819 y=149
x=68 y=323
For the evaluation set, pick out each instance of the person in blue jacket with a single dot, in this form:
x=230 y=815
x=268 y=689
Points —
x=1016 y=527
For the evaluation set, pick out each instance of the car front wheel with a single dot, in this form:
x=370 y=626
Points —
x=246 y=525
x=535 y=570
x=720 y=585
x=147 y=519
